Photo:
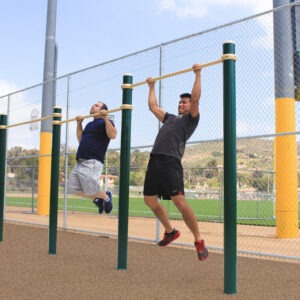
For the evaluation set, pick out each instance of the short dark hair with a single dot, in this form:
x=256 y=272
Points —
x=104 y=106
x=186 y=95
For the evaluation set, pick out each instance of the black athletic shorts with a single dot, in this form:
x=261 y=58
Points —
x=164 y=177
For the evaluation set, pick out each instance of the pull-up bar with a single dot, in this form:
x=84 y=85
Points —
x=100 y=113
x=230 y=195
x=223 y=57
x=56 y=125
x=26 y=122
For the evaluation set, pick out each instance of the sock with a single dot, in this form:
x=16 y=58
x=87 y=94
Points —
x=200 y=242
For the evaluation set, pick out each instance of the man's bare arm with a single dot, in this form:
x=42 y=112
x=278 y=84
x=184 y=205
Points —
x=196 y=91
x=152 y=101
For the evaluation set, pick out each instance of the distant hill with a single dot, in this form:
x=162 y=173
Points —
x=251 y=153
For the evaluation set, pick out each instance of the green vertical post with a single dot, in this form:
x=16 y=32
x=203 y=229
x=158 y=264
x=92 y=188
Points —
x=230 y=194
x=55 y=157
x=3 y=130
x=124 y=175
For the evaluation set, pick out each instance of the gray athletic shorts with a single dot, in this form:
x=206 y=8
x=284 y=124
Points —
x=85 y=177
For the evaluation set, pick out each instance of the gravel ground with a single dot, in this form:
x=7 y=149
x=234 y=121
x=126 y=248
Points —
x=85 y=267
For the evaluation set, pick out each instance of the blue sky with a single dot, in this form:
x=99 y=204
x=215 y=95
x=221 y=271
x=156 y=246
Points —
x=94 y=31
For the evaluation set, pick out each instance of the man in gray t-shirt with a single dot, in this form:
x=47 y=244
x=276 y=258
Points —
x=164 y=175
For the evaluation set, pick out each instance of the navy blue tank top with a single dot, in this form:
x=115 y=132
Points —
x=94 y=141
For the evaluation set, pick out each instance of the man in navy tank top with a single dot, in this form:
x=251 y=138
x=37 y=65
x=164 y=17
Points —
x=93 y=141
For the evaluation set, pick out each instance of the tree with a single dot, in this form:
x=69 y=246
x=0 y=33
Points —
x=257 y=174
x=112 y=163
x=212 y=169
x=139 y=159
x=137 y=178
x=21 y=161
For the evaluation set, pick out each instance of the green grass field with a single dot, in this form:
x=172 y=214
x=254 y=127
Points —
x=248 y=211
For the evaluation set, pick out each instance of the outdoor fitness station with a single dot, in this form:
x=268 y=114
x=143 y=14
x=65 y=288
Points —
x=230 y=194
x=269 y=72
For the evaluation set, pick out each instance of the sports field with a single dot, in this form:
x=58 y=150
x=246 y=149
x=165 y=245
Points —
x=256 y=235
x=248 y=211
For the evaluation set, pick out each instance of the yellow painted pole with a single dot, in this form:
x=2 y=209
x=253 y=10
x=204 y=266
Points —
x=44 y=173
x=48 y=101
x=286 y=170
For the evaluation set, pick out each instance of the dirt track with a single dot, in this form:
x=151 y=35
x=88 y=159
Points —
x=85 y=267
x=257 y=239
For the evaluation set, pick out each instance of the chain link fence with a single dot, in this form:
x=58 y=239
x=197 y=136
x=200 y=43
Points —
x=203 y=159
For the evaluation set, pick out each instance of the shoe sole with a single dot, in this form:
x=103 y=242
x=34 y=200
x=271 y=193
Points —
x=204 y=257
x=108 y=212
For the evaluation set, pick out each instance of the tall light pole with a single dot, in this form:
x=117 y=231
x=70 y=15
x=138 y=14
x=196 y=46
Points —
x=48 y=102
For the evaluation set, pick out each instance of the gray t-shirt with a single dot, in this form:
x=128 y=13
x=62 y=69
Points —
x=174 y=133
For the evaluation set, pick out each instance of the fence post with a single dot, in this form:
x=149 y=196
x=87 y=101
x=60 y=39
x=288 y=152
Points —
x=55 y=157
x=3 y=130
x=124 y=175
x=230 y=193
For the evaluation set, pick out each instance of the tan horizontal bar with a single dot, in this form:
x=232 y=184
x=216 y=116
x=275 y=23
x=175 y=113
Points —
x=100 y=113
x=103 y=112
x=175 y=73
x=29 y=122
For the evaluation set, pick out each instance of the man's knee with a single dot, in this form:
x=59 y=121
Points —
x=150 y=201
x=180 y=202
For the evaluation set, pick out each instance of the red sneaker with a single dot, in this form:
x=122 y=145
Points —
x=201 y=250
x=169 y=237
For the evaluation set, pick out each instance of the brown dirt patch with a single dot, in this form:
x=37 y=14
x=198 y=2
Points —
x=85 y=267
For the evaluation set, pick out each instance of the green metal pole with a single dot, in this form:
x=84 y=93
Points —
x=3 y=123
x=56 y=128
x=230 y=194
x=124 y=176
